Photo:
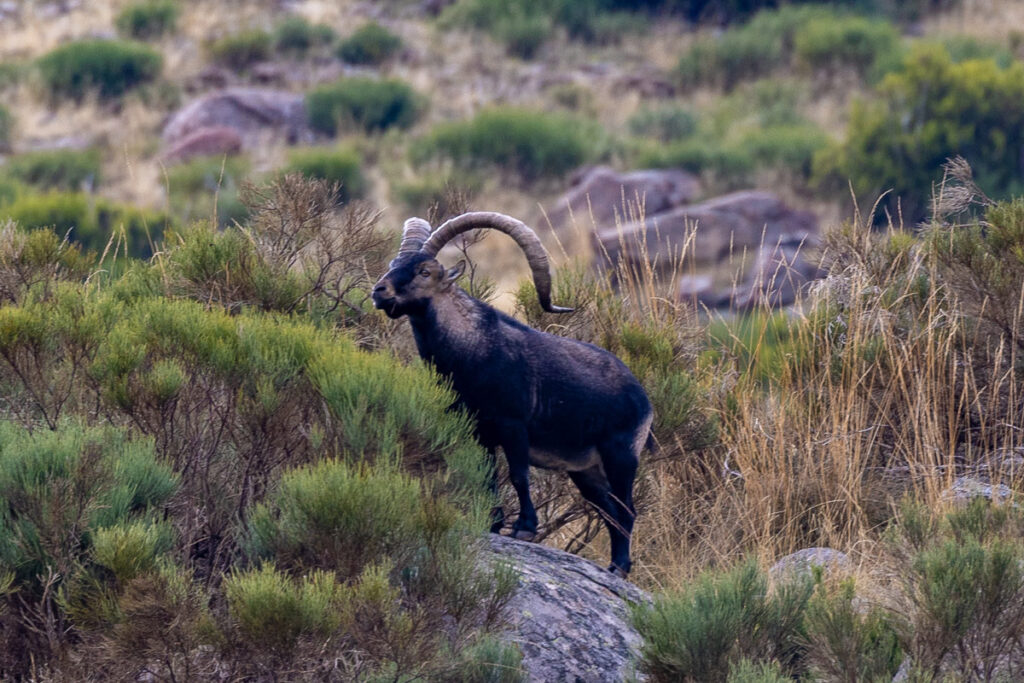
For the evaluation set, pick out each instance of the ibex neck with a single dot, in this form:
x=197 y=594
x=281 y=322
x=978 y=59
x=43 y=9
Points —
x=449 y=329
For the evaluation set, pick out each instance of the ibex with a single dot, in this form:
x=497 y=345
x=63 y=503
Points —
x=547 y=401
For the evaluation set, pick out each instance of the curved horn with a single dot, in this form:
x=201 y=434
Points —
x=526 y=238
x=415 y=232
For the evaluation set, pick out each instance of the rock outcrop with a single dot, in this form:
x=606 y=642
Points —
x=732 y=223
x=250 y=112
x=208 y=141
x=569 y=617
x=599 y=192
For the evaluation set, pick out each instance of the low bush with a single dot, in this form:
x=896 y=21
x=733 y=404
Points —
x=208 y=187
x=341 y=167
x=65 y=213
x=108 y=68
x=725 y=165
x=524 y=26
x=701 y=634
x=6 y=129
x=241 y=50
x=790 y=147
x=297 y=36
x=667 y=123
x=367 y=104
x=928 y=112
x=868 y=46
x=531 y=145
x=776 y=39
x=371 y=44
x=57 y=169
x=148 y=19
x=95 y=224
x=35 y=261
x=71 y=495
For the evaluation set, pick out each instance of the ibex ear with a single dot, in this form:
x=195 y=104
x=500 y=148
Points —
x=455 y=272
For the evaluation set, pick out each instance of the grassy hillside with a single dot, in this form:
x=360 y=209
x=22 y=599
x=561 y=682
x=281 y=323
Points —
x=217 y=459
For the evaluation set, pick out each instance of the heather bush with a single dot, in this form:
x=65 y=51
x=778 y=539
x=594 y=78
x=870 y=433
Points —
x=666 y=123
x=775 y=39
x=340 y=166
x=58 y=169
x=35 y=260
x=365 y=103
x=370 y=44
x=106 y=68
x=295 y=35
x=869 y=47
x=531 y=145
x=241 y=50
x=148 y=19
x=208 y=188
x=700 y=634
x=68 y=494
x=6 y=129
x=96 y=224
x=928 y=112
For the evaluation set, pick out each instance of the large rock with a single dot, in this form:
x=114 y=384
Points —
x=599 y=192
x=779 y=273
x=209 y=141
x=733 y=223
x=569 y=617
x=250 y=112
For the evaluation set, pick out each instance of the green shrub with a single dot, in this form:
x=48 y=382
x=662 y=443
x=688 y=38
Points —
x=700 y=634
x=776 y=39
x=524 y=26
x=667 y=123
x=61 y=487
x=963 y=48
x=273 y=612
x=92 y=223
x=752 y=50
x=10 y=189
x=341 y=166
x=206 y=187
x=148 y=19
x=866 y=45
x=529 y=144
x=728 y=165
x=492 y=661
x=131 y=549
x=63 y=212
x=790 y=147
x=241 y=50
x=130 y=230
x=370 y=44
x=370 y=105
x=523 y=35
x=57 y=169
x=109 y=68
x=931 y=110
x=6 y=128
x=340 y=517
x=973 y=263
x=848 y=641
x=296 y=35
x=748 y=671
x=965 y=585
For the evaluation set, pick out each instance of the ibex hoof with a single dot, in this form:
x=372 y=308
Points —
x=524 y=535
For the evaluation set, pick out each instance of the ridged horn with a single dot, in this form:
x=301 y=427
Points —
x=415 y=232
x=526 y=238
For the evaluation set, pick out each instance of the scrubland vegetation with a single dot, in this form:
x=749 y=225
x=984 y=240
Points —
x=217 y=461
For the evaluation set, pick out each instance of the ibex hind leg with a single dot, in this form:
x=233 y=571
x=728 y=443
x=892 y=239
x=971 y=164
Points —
x=618 y=518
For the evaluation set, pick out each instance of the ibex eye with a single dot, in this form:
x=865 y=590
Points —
x=425 y=273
